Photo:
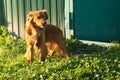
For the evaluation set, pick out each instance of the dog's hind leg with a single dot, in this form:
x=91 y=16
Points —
x=51 y=47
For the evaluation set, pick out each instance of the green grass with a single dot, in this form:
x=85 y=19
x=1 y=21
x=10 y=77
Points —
x=13 y=65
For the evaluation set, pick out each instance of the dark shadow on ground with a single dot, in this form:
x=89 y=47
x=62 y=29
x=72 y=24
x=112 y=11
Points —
x=77 y=47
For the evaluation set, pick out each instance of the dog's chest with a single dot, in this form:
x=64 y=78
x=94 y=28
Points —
x=37 y=31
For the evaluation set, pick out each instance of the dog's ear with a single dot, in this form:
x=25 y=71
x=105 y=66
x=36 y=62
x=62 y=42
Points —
x=29 y=17
x=44 y=12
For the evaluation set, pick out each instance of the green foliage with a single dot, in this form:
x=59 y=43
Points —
x=3 y=31
x=10 y=44
x=72 y=44
x=13 y=65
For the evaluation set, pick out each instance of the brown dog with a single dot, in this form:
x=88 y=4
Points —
x=42 y=38
x=35 y=34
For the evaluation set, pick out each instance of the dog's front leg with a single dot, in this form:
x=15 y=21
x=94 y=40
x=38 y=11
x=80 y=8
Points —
x=44 y=53
x=29 y=53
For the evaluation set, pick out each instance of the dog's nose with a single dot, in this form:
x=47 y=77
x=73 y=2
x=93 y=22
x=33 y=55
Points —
x=45 y=23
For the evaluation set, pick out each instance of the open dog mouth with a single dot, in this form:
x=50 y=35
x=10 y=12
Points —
x=43 y=25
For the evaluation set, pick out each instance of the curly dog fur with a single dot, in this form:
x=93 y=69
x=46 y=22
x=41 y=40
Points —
x=43 y=38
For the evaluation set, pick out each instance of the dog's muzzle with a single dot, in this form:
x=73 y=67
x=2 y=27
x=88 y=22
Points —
x=42 y=26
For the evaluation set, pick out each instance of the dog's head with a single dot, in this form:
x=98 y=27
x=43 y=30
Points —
x=37 y=18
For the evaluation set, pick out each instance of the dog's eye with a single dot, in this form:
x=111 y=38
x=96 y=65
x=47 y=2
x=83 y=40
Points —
x=39 y=17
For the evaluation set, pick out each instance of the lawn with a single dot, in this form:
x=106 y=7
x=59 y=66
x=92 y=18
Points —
x=104 y=65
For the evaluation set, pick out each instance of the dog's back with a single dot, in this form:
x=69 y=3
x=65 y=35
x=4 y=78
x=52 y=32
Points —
x=55 y=41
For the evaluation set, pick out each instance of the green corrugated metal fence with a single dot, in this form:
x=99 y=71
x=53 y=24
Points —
x=97 y=20
x=15 y=13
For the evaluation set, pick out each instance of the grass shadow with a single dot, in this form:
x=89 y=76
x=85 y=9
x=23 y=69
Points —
x=77 y=47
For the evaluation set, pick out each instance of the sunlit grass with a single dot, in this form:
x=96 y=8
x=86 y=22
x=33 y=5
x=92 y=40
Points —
x=13 y=65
